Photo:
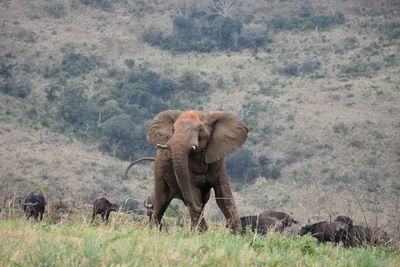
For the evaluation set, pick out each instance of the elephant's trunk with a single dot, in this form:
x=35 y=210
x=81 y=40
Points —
x=180 y=156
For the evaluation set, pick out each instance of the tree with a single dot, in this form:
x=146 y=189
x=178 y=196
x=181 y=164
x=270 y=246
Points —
x=224 y=8
x=117 y=130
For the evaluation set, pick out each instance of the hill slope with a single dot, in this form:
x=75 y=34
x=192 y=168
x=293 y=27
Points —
x=321 y=98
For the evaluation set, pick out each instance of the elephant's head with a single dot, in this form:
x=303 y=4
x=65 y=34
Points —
x=209 y=135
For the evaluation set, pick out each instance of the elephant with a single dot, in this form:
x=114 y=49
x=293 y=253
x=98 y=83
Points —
x=284 y=217
x=190 y=162
x=326 y=231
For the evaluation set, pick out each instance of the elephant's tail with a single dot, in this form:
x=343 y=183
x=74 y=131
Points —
x=136 y=161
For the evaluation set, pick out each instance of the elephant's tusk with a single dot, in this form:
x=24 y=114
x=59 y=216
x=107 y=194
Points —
x=162 y=146
x=194 y=148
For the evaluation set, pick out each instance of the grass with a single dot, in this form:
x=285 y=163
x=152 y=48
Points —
x=131 y=243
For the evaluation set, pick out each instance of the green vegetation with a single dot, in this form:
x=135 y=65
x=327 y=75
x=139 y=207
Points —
x=89 y=75
x=207 y=28
x=312 y=22
x=123 y=243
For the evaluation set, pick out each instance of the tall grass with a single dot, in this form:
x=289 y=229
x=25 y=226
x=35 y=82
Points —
x=128 y=242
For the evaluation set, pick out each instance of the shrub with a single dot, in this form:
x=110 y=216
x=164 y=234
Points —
x=238 y=164
x=118 y=129
x=26 y=36
x=73 y=105
x=279 y=22
x=269 y=89
x=357 y=143
x=53 y=91
x=309 y=66
x=340 y=127
x=105 y=5
x=5 y=70
x=350 y=43
x=76 y=64
x=191 y=81
x=197 y=30
x=13 y=89
x=253 y=35
x=289 y=69
x=396 y=148
x=56 y=10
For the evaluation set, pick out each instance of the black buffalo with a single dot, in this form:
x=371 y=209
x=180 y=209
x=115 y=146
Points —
x=357 y=235
x=281 y=216
x=326 y=231
x=34 y=205
x=149 y=205
x=260 y=225
x=103 y=207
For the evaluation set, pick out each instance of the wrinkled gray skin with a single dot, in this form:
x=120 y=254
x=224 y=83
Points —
x=281 y=216
x=190 y=162
x=34 y=205
x=260 y=225
x=103 y=207
x=326 y=231
x=149 y=205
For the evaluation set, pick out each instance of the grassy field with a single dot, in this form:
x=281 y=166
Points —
x=125 y=241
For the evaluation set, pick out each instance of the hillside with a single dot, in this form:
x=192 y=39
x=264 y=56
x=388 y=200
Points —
x=316 y=82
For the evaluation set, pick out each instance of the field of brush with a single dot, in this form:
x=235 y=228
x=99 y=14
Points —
x=128 y=241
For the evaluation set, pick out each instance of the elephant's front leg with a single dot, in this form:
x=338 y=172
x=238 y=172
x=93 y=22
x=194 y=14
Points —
x=225 y=201
x=161 y=202
x=198 y=223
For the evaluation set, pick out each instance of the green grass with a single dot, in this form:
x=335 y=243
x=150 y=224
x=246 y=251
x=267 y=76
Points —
x=131 y=243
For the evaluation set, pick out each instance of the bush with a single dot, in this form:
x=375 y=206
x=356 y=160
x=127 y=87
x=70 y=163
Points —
x=76 y=64
x=191 y=81
x=118 y=129
x=357 y=143
x=53 y=91
x=238 y=164
x=200 y=31
x=73 y=105
x=269 y=89
x=279 y=23
x=10 y=88
x=289 y=69
x=5 y=71
x=359 y=69
x=253 y=35
x=309 y=66
x=56 y=10
x=105 y=5
x=340 y=127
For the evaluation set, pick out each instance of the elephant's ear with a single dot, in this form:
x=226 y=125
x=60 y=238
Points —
x=161 y=128
x=228 y=133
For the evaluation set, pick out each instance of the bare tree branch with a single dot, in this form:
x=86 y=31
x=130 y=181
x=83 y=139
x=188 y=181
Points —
x=222 y=8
